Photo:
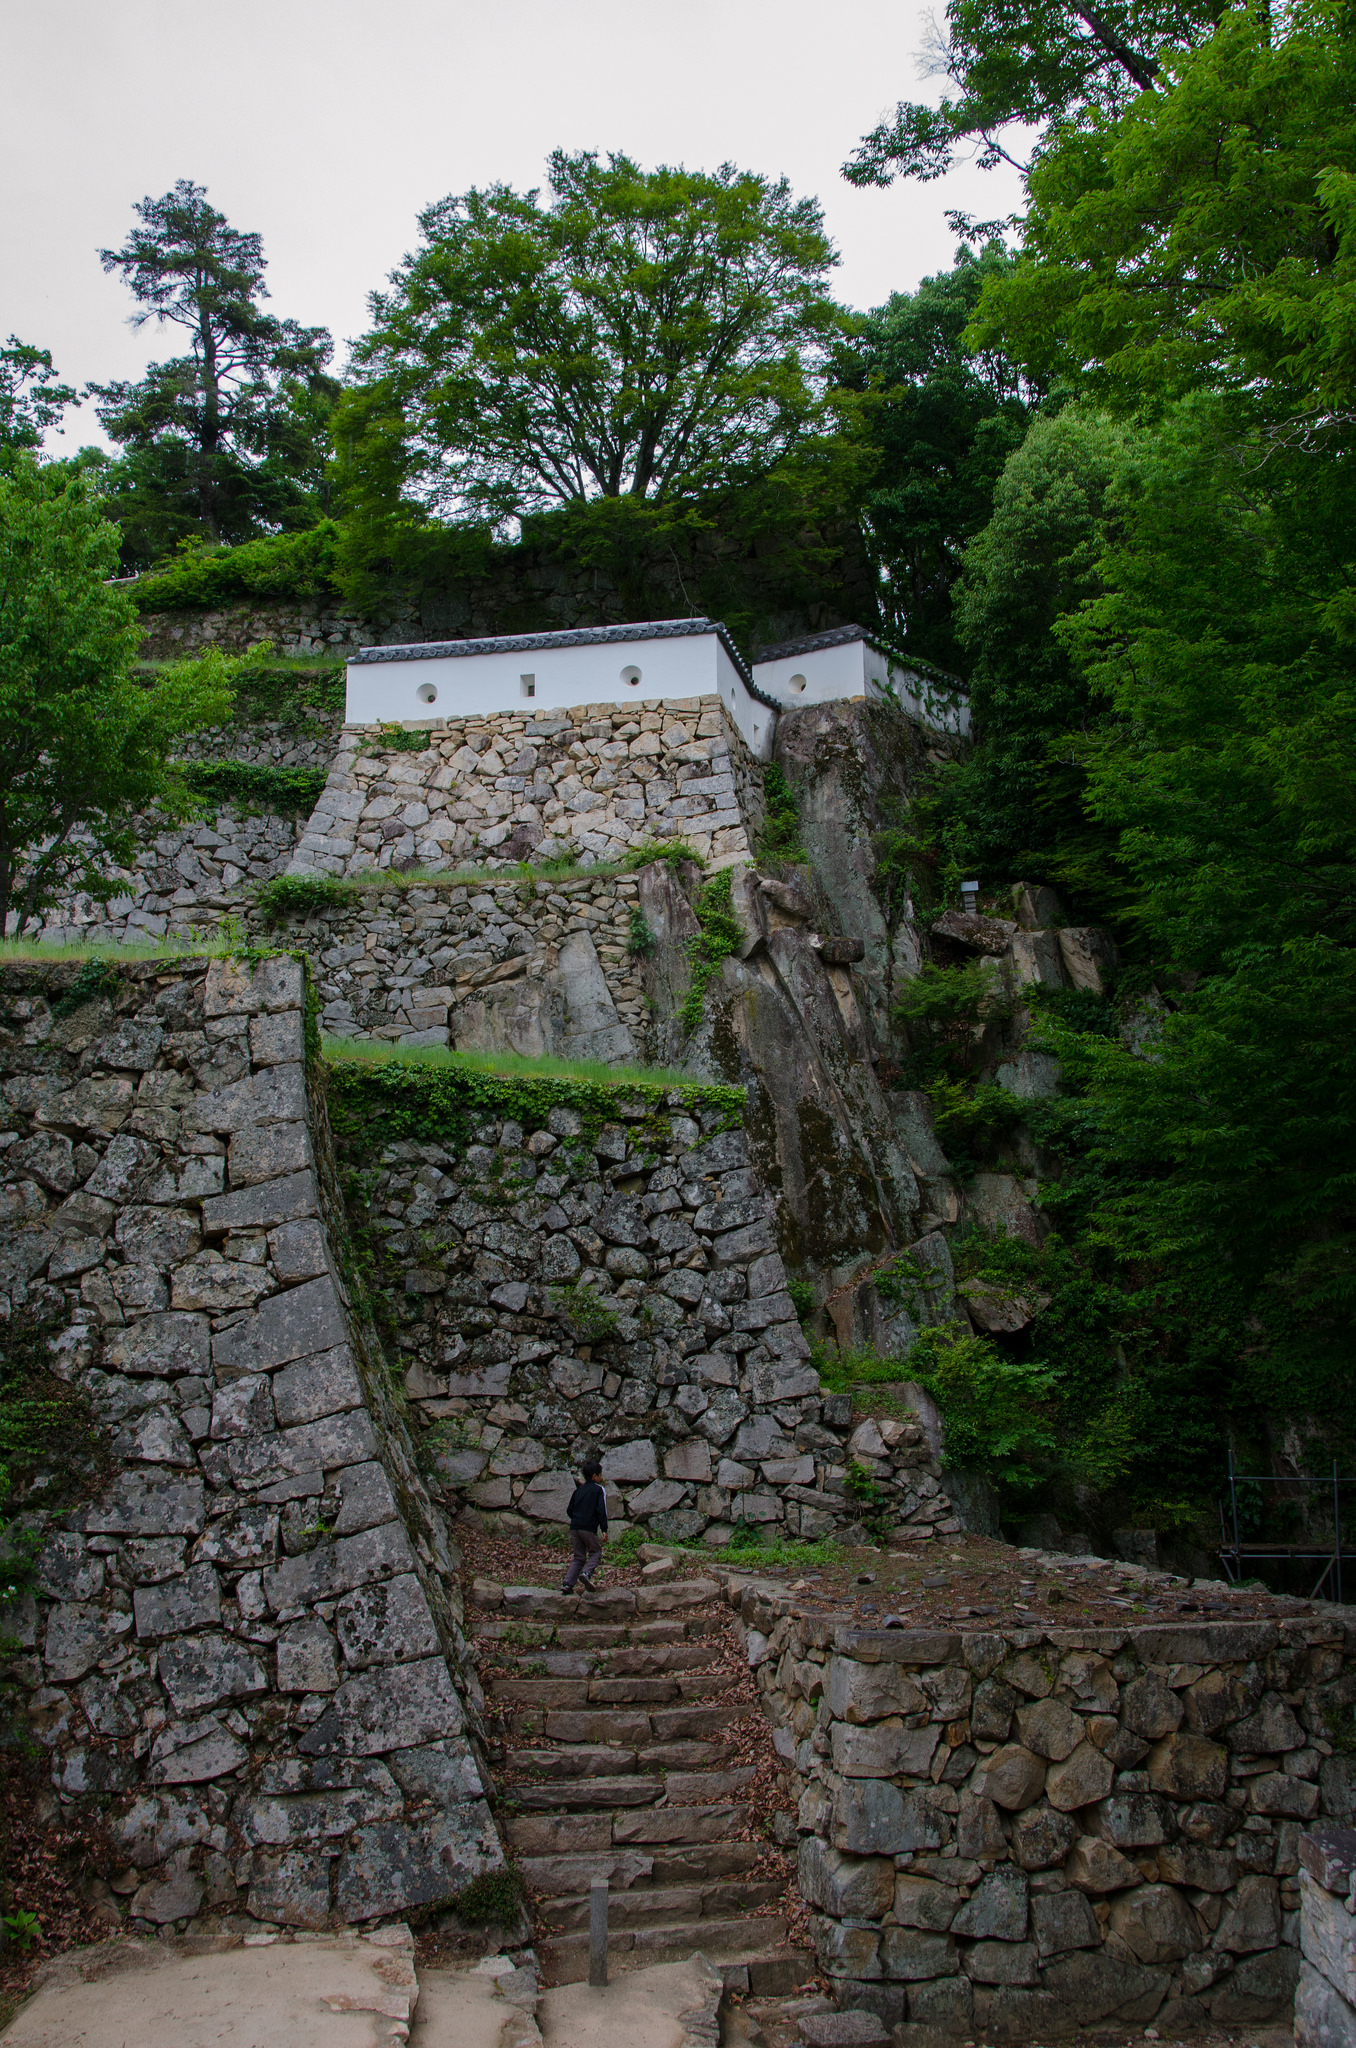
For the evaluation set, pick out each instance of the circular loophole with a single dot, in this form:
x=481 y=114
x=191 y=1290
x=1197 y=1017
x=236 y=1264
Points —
x=796 y=683
x=631 y=676
x=427 y=693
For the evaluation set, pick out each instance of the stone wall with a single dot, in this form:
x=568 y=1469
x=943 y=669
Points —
x=560 y=1283
x=1017 y=1832
x=294 y=629
x=242 y=1650
x=1325 y=2000
x=501 y=789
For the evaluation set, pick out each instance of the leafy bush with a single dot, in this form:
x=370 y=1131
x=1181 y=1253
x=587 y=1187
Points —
x=494 y=1896
x=254 y=786
x=780 y=836
x=720 y=937
x=802 y=1298
x=394 y=739
x=298 y=895
x=997 y=1410
x=590 y=1319
x=297 y=565
x=673 y=852
x=640 y=940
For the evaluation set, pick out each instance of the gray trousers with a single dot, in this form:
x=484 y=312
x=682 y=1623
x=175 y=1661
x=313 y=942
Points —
x=587 y=1546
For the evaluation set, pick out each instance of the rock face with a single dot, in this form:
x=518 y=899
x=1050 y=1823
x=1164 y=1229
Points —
x=245 y=1646
x=1007 y=1855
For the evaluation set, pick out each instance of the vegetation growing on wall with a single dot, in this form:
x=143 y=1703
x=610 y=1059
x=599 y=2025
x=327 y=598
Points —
x=251 y=786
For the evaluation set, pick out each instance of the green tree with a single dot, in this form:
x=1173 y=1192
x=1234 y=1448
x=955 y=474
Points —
x=1208 y=235
x=84 y=746
x=31 y=400
x=942 y=420
x=1053 y=63
x=1014 y=805
x=229 y=441
x=648 y=335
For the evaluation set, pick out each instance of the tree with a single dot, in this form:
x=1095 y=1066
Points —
x=31 y=400
x=1056 y=62
x=1015 y=803
x=229 y=441
x=1206 y=236
x=645 y=335
x=942 y=421
x=84 y=745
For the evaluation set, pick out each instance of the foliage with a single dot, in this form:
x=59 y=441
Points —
x=774 y=1553
x=1208 y=237
x=496 y=1896
x=1055 y=62
x=23 y=1929
x=31 y=401
x=1016 y=801
x=52 y=1452
x=780 y=836
x=720 y=937
x=591 y=1320
x=505 y=1064
x=942 y=420
x=640 y=939
x=645 y=852
x=803 y=1301
x=997 y=1410
x=643 y=335
x=398 y=739
x=83 y=747
x=298 y=565
x=252 y=786
x=970 y=1117
x=229 y=440
x=284 y=896
x=946 y=1011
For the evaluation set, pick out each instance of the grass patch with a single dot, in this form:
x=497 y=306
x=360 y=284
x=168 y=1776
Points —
x=299 y=895
x=40 y=953
x=510 y=1065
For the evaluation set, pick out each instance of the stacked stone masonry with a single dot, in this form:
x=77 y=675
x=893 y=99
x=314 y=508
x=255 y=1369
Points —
x=1325 y=1998
x=1023 y=1832
x=246 y=1647
x=591 y=781
x=654 y=1239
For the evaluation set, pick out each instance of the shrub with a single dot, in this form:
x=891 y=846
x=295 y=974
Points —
x=494 y=1896
x=720 y=937
x=996 y=1409
x=588 y=1316
x=640 y=940
x=254 y=786
x=780 y=836
x=298 y=895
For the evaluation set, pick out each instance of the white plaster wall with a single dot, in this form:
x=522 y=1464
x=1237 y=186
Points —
x=385 y=692
x=831 y=675
x=757 y=723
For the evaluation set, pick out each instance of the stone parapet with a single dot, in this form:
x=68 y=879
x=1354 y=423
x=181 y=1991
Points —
x=1016 y=1833
x=1325 y=2001
x=243 y=1642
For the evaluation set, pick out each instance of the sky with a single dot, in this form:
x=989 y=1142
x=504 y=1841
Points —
x=327 y=127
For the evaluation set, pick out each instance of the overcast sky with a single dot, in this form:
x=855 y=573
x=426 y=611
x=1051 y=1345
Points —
x=326 y=127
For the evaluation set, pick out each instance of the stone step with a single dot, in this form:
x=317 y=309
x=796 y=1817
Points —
x=644 y=1904
x=694 y=1627
x=584 y=1692
x=611 y=1760
x=595 y=1792
x=575 y=1860
x=655 y=1662
x=679 y=1824
x=617 y=1603
x=565 y=1957
x=633 y=1729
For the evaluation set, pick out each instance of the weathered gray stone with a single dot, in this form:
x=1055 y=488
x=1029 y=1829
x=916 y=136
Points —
x=1156 y=1922
x=161 y=1344
x=299 y=1251
x=925 y=1902
x=312 y=1802
x=394 y=1868
x=194 y=1753
x=1012 y=1777
x=304 y=1320
x=1150 y=1708
x=275 y=1096
x=178 y=1897
x=160 y=1238
x=628 y=1464
x=291 y=1887
x=316 y=1387
x=1095 y=1867
x=78 y=1636
x=155 y=1437
x=871 y=1817
x=247 y=1536
x=193 y=1601
x=909 y=1954
x=337 y=1566
x=1049 y=1728
x=268 y=1152
x=1061 y=1921
x=347 y=1439
x=1261 y=1988
x=197 y=1671
x=277 y=1040
x=65 y=1569
x=366 y=1499
x=1090 y=1984
x=849 y=1887
x=996 y=1911
x=387 y=1623
x=1188 y=1767
x=1001 y=1962
x=136 y=1505
x=307 y=1657
x=1323 y=2018
x=1081 y=1778
x=211 y=1282
x=243 y=1407
x=1041 y=1837
x=884 y=1749
x=387 y=1709
x=444 y=1772
x=263 y=1205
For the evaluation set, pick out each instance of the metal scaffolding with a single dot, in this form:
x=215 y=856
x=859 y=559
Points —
x=1235 y=1552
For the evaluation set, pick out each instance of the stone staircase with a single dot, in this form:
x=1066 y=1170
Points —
x=615 y=1725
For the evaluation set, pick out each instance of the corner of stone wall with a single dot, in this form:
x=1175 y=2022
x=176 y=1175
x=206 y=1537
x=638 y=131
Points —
x=245 y=1653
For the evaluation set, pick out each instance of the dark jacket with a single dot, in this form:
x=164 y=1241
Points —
x=588 y=1506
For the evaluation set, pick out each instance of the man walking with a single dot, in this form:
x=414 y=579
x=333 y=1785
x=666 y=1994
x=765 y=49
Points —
x=588 y=1525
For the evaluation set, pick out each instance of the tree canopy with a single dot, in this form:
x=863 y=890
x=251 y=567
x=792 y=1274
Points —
x=229 y=440
x=642 y=334
x=31 y=398
x=84 y=745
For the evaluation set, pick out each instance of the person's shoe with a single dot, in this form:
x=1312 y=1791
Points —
x=586 y=1585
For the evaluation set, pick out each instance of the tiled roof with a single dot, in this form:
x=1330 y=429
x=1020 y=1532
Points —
x=578 y=636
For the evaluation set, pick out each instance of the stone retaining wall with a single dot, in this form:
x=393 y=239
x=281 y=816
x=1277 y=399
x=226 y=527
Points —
x=501 y=788
x=245 y=1650
x=1017 y=1833
x=296 y=630
x=1325 y=2002
x=693 y=1382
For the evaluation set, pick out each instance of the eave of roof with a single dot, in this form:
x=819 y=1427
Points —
x=578 y=636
